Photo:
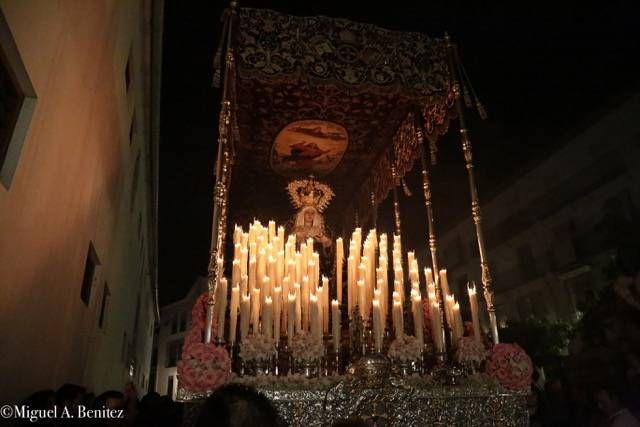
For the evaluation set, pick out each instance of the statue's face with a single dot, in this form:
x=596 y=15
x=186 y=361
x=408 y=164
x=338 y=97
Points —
x=308 y=217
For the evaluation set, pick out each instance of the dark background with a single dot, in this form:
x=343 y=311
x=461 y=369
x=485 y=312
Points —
x=543 y=71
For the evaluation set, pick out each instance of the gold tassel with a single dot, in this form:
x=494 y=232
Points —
x=405 y=188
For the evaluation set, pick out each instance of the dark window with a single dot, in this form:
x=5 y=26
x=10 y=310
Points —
x=134 y=180
x=127 y=74
x=170 y=386
x=17 y=103
x=183 y=322
x=174 y=325
x=89 y=273
x=174 y=349
x=103 y=307
x=132 y=129
x=527 y=262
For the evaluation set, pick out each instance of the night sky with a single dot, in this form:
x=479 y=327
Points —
x=543 y=71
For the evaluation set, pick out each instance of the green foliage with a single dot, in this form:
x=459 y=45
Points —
x=540 y=338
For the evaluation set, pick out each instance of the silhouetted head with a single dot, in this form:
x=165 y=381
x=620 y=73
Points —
x=111 y=399
x=43 y=399
x=235 y=405
x=69 y=395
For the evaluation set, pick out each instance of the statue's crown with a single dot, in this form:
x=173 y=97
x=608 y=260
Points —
x=309 y=192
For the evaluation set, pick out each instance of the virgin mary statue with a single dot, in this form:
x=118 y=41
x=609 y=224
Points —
x=310 y=197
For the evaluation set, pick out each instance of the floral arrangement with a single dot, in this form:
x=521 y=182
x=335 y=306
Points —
x=305 y=347
x=511 y=366
x=405 y=348
x=203 y=367
x=470 y=350
x=257 y=347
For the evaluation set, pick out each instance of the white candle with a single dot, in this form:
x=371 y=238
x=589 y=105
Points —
x=325 y=304
x=244 y=257
x=377 y=329
x=245 y=313
x=235 y=272
x=418 y=319
x=335 y=324
x=253 y=273
x=236 y=251
x=261 y=269
x=291 y=317
x=272 y=230
x=266 y=288
x=459 y=328
x=298 y=261
x=267 y=325
x=339 y=257
x=444 y=283
x=233 y=313
x=398 y=320
x=255 y=309
x=316 y=329
x=351 y=285
x=305 y=303
x=361 y=291
x=281 y=237
x=436 y=327
x=277 y=312
x=473 y=302
x=244 y=280
x=280 y=273
x=221 y=300
x=286 y=287
x=297 y=292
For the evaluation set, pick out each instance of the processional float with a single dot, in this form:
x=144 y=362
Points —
x=332 y=112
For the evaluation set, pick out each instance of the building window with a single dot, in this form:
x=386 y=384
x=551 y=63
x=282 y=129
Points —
x=17 y=103
x=174 y=325
x=91 y=262
x=174 y=349
x=170 y=386
x=132 y=129
x=183 y=321
x=103 y=307
x=127 y=74
x=527 y=262
x=134 y=181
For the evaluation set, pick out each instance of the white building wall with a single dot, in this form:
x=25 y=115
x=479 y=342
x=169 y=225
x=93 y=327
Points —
x=564 y=196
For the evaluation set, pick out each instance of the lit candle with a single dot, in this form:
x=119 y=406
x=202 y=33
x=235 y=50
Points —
x=298 y=260
x=272 y=230
x=296 y=289
x=428 y=277
x=398 y=320
x=245 y=313
x=459 y=328
x=473 y=302
x=377 y=331
x=418 y=319
x=255 y=309
x=305 y=303
x=277 y=309
x=235 y=272
x=236 y=251
x=243 y=284
x=281 y=237
x=253 y=273
x=266 y=288
x=233 y=313
x=436 y=327
x=316 y=330
x=339 y=257
x=286 y=287
x=272 y=273
x=325 y=304
x=280 y=273
x=261 y=269
x=267 y=325
x=244 y=257
x=351 y=285
x=291 y=317
x=361 y=298
x=335 y=324
x=221 y=301
x=444 y=283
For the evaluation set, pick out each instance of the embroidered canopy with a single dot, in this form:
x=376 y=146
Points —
x=331 y=97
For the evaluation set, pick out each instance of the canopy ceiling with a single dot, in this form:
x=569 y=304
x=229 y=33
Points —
x=361 y=79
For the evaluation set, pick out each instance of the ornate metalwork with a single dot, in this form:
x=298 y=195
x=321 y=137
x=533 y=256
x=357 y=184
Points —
x=473 y=189
x=396 y=201
x=407 y=401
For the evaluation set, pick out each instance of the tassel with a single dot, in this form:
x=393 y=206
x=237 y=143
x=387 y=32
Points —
x=482 y=112
x=405 y=188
